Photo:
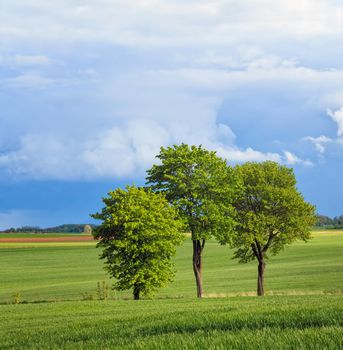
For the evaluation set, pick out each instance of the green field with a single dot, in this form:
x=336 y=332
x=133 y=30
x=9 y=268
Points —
x=65 y=271
x=303 y=308
x=273 y=322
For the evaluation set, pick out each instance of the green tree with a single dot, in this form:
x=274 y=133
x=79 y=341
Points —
x=201 y=186
x=139 y=234
x=271 y=213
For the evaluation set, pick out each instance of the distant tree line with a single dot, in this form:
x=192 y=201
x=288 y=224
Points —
x=66 y=228
x=329 y=223
x=323 y=221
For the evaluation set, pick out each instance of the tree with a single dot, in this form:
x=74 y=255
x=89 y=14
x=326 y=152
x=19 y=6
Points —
x=324 y=221
x=201 y=186
x=338 y=221
x=271 y=213
x=139 y=234
x=87 y=230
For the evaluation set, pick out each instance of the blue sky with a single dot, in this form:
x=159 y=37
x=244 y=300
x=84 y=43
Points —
x=89 y=91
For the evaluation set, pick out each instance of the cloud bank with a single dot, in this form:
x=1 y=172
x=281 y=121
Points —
x=93 y=90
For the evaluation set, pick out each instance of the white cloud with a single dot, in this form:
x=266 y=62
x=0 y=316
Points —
x=291 y=159
x=150 y=109
x=337 y=117
x=216 y=79
x=237 y=155
x=41 y=157
x=224 y=134
x=124 y=151
x=319 y=142
x=117 y=152
x=162 y=22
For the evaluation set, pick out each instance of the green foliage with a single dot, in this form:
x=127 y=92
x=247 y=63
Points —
x=271 y=212
x=200 y=185
x=138 y=234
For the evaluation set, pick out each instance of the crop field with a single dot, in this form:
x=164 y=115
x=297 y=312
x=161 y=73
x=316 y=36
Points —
x=67 y=270
x=273 y=322
x=38 y=235
x=303 y=307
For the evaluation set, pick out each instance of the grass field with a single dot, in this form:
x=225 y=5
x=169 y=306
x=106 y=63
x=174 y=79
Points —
x=65 y=271
x=273 y=322
x=43 y=272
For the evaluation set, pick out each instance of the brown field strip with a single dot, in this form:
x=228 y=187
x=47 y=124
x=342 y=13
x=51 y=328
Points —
x=46 y=240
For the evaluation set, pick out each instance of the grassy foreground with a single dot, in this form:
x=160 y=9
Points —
x=274 y=322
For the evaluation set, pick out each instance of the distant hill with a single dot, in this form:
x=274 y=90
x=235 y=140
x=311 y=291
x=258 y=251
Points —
x=65 y=228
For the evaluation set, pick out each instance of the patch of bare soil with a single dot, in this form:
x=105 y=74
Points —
x=47 y=239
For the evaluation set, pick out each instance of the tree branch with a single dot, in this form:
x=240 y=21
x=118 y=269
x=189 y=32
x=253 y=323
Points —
x=260 y=252
x=254 y=249
x=270 y=238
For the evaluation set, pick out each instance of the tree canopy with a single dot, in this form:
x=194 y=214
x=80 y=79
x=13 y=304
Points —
x=87 y=230
x=271 y=213
x=138 y=234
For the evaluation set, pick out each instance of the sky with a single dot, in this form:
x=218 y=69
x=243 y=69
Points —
x=90 y=90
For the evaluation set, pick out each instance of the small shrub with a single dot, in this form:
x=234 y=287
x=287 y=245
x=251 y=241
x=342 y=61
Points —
x=102 y=291
x=88 y=296
x=17 y=298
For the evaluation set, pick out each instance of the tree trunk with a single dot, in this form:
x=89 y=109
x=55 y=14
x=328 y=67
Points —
x=197 y=265
x=260 y=278
x=136 y=292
